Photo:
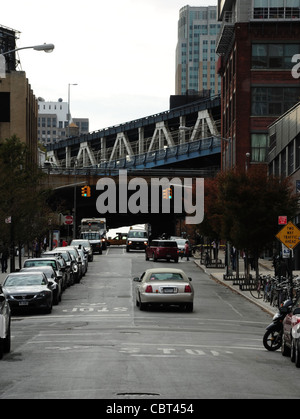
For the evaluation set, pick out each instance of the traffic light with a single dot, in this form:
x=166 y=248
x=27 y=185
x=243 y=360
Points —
x=86 y=191
x=167 y=193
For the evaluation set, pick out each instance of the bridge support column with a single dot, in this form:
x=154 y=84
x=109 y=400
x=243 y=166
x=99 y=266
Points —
x=141 y=140
x=161 y=134
x=103 y=156
x=68 y=157
x=87 y=155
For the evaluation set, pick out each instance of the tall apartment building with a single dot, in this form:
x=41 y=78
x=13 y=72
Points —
x=259 y=52
x=53 y=122
x=196 y=56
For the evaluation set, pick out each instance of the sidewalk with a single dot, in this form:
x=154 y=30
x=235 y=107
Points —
x=265 y=268
x=4 y=275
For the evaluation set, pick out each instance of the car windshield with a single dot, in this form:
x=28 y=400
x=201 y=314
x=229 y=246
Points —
x=169 y=276
x=180 y=242
x=84 y=243
x=91 y=236
x=137 y=234
x=167 y=244
x=30 y=263
x=24 y=280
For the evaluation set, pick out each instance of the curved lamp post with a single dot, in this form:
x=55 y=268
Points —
x=44 y=47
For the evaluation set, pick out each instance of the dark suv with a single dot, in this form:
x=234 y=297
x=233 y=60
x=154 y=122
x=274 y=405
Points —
x=5 y=317
x=162 y=249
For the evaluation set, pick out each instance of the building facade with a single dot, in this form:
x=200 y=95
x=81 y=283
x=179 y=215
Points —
x=259 y=48
x=53 y=122
x=196 y=51
x=18 y=104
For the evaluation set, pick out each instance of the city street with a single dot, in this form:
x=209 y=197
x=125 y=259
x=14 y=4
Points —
x=97 y=344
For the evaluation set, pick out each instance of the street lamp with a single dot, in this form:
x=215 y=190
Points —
x=44 y=47
x=69 y=114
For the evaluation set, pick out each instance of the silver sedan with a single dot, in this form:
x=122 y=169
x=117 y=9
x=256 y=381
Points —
x=164 y=286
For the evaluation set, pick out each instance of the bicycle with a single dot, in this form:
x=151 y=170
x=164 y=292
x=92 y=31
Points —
x=258 y=290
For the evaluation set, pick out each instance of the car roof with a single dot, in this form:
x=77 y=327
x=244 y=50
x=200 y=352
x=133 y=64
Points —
x=164 y=270
x=37 y=268
x=25 y=273
x=39 y=259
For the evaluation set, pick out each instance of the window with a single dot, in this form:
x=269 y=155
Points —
x=259 y=147
x=273 y=101
x=4 y=107
x=276 y=9
x=274 y=56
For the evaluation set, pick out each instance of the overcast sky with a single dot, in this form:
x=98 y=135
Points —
x=121 y=54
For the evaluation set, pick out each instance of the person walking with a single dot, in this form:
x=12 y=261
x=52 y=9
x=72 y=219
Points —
x=187 y=250
x=4 y=257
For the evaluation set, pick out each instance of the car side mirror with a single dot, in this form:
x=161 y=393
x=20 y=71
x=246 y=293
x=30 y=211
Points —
x=137 y=279
x=2 y=298
x=190 y=279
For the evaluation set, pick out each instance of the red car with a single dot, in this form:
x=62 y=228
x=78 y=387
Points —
x=162 y=249
x=291 y=334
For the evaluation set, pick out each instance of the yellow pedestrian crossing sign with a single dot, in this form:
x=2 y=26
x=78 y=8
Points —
x=289 y=235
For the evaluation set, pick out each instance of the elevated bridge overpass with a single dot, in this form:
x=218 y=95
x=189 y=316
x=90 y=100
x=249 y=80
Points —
x=173 y=137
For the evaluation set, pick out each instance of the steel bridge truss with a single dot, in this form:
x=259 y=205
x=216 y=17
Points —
x=163 y=139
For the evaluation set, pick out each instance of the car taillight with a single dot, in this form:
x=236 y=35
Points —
x=187 y=288
x=149 y=289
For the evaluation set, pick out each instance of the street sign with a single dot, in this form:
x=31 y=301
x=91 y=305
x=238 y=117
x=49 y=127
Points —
x=289 y=235
x=68 y=219
x=282 y=220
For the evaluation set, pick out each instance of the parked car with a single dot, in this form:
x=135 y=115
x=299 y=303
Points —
x=162 y=249
x=52 y=278
x=5 y=320
x=63 y=254
x=25 y=290
x=49 y=261
x=87 y=246
x=164 y=286
x=73 y=250
x=84 y=259
x=290 y=339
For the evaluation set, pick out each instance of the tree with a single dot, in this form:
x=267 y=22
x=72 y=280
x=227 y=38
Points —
x=245 y=207
x=22 y=200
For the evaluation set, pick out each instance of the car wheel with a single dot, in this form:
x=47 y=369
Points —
x=142 y=305
x=176 y=260
x=7 y=341
x=297 y=354
x=285 y=350
x=1 y=348
x=154 y=257
x=189 y=307
x=293 y=350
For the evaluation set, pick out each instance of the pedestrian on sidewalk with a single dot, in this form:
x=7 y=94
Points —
x=4 y=257
x=187 y=250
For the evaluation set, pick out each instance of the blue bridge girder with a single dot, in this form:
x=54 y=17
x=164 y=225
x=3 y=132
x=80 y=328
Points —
x=167 y=138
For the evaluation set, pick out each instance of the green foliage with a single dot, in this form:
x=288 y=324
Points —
x=21 y=197
x=244 y=207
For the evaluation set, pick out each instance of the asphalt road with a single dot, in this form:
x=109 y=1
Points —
x=96 y=344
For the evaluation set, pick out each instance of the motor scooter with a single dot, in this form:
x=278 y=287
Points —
x=272 y=339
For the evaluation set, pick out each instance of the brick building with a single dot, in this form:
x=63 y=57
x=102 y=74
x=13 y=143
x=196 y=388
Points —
x=258 y=47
